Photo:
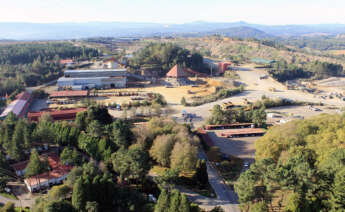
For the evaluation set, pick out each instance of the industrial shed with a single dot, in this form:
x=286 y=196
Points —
x=57 y=115
x=19 y=106
x=68 y=94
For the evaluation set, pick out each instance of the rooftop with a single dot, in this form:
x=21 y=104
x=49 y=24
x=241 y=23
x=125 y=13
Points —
x=67 y=114
x=68 y=94
x=95 y=70
x=177 y=71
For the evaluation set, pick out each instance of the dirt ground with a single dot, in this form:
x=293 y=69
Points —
x=172 y=95
x=289 y=112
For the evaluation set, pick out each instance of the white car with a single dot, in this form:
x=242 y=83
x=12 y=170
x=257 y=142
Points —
x=246 y=164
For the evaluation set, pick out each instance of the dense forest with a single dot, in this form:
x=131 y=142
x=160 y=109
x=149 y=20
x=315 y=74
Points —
x=163 y=56
x=35 y=63
x=110 y=158
x=300 y=166
x=318 y=42
x=283 y=71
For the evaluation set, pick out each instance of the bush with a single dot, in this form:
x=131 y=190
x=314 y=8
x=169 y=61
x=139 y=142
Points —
x=221 y=93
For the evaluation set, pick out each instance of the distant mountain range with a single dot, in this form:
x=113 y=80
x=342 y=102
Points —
x=57 y=31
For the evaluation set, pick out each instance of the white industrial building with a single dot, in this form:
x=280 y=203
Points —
x=88 y=79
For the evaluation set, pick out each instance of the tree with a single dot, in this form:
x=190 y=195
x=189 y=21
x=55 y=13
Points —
x=184 y=205
x=91 y=207
x=217 y=209
x=183 y=101
x=184 y=156
x=161 y=149
x=259 y=117
x=245 y=187
x=44 y=132
x=294 y=203
x=201 y=175
x=78 y=195
x=174 y=201
x=163 y=202
x=36 y=165
x=338 y=191
x=19 y=138
x=122 y=133
x=59 y=192
x=95 y=129
x=66 y=156
x=130 y=164
x=59 y=206
x=8 y=207
x=259 y=207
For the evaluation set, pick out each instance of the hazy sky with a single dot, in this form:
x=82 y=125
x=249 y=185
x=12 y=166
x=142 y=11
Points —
x=175 y=11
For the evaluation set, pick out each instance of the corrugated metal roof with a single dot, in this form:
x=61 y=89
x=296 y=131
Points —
x=17 y=105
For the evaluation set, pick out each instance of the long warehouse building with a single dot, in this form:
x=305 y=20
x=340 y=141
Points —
x=19 y=106
x=98 y=78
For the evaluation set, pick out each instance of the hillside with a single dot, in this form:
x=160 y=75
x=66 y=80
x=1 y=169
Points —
x=241 y=32
x=70 y=30
x=234 y=49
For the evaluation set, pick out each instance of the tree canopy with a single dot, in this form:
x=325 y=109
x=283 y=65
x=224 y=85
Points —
x=161 y=57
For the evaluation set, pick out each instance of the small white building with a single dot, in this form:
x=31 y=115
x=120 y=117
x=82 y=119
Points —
x=112 y=64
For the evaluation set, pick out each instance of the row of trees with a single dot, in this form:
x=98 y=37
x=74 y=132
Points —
x=282 y=71
x=29 y=52
x=299 y=167
x=256 y=116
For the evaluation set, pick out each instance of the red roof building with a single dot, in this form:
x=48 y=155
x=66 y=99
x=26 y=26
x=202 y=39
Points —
x=57 y=115
x=58 y=172
x=229 y=126
x=66 y=61
x=243 y=132
x=177 y=72
x=19 y=106
x=68 y=94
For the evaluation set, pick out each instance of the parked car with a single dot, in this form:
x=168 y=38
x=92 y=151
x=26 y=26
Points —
x=246 y=164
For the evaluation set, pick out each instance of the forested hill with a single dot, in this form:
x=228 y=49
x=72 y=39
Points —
x=242 y=32
x=30 y=64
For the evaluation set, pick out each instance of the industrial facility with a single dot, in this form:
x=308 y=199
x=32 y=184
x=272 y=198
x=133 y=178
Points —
x=89 y=79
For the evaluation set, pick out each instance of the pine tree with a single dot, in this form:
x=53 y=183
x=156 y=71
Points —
x=338 y=194
x=35 y=165
x=184 y=204
x=163 y=202
x=174 y=201
x=78 y=195
x=201 y=175
x=183 y=101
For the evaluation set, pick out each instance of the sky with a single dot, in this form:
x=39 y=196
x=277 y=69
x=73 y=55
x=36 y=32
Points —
x=271 y=12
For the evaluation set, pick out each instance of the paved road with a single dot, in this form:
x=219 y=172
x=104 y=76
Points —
x=226 y=198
